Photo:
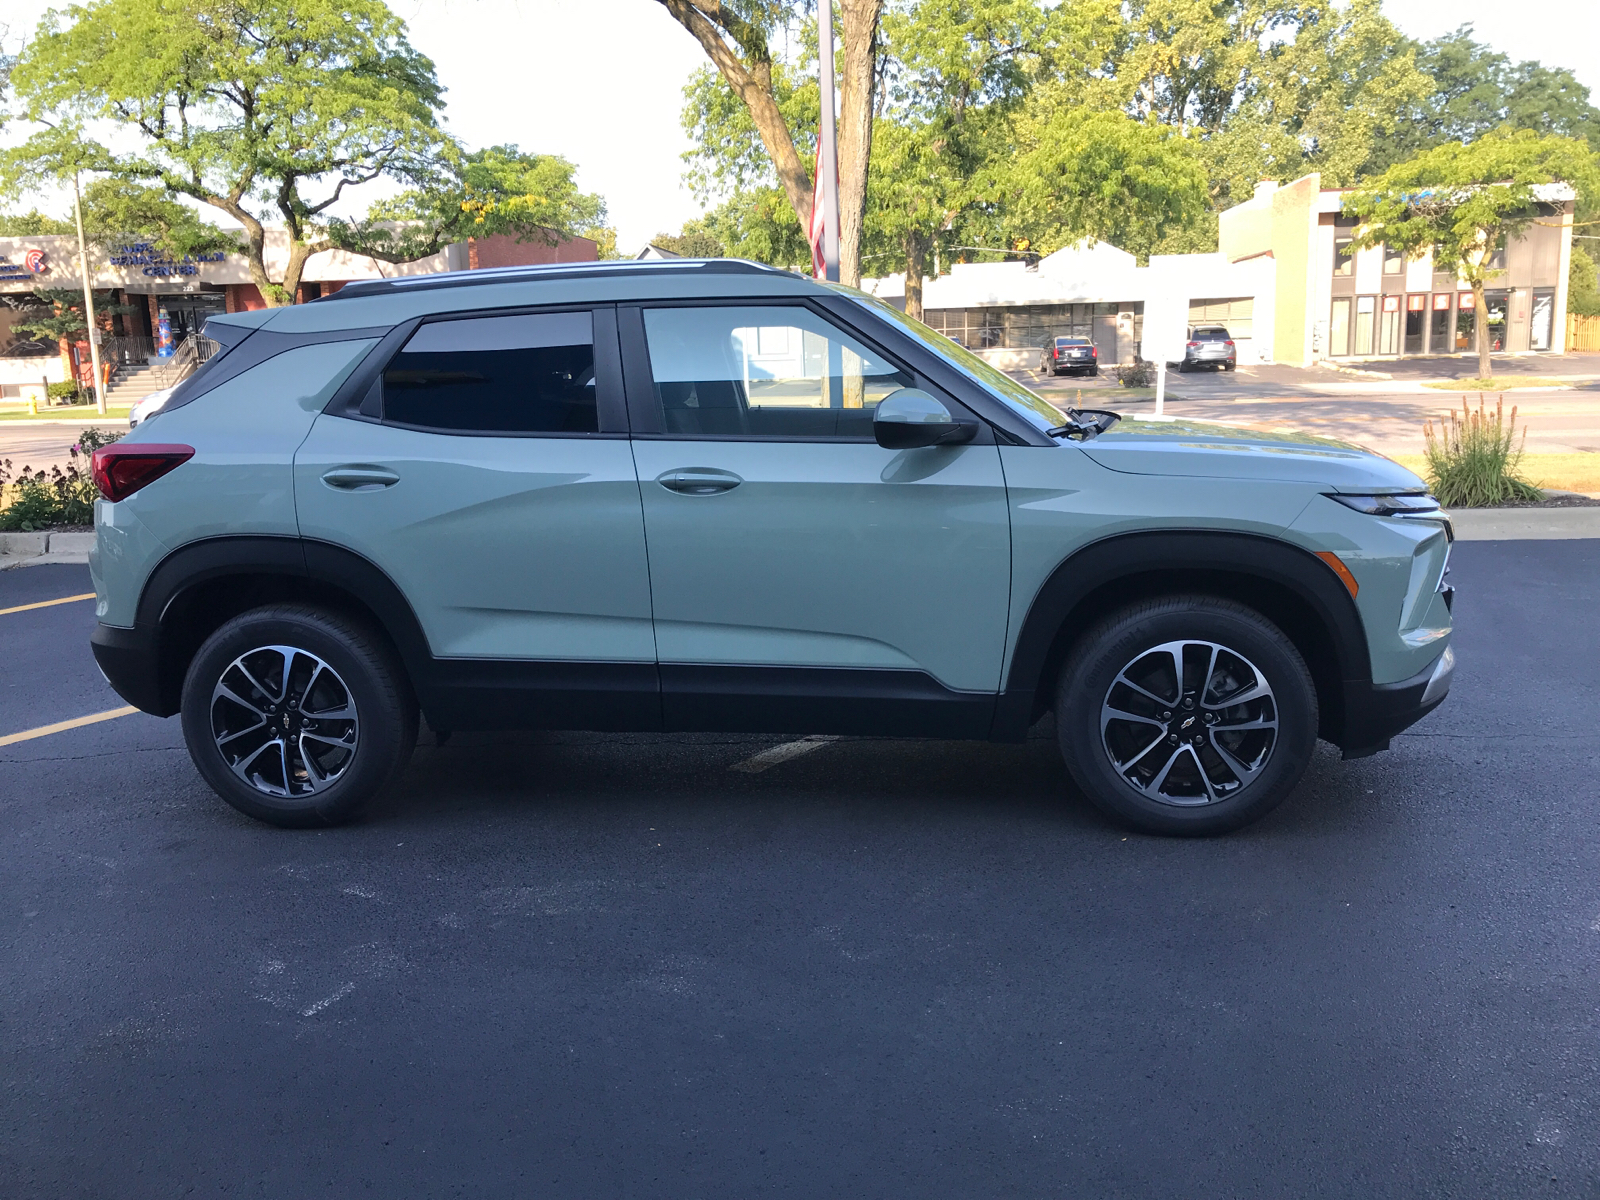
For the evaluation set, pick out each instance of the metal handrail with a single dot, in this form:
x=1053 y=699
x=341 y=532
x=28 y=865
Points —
x=186 y=359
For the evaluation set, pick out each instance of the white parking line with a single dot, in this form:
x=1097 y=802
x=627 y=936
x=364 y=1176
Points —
x=757 y=763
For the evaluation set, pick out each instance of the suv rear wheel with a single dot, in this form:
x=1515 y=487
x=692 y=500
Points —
x=1187 y=715
x=297 y=716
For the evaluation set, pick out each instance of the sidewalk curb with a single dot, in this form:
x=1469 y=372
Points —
x=40 y=549
x=1525 y=524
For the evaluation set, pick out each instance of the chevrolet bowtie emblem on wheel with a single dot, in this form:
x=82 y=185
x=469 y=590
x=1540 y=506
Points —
x=1187 y=721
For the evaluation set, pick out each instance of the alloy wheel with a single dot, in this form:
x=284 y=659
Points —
x=284 y=721
x=1189 y=723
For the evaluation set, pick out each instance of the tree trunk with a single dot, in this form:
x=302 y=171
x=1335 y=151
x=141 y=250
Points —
x=1481 y=304
x=916 y=249
x=752 y=83
x=857 y=75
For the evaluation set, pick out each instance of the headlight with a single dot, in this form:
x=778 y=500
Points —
x=1389 y=504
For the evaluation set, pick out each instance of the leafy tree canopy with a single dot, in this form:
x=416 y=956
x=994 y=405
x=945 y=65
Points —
x=498 y=190
x=271 y=111
x=1475 y=90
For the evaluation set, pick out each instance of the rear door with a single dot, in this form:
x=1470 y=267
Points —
x=804 y=578
x=489 y=476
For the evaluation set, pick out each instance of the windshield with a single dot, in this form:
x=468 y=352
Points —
x=1034 y=407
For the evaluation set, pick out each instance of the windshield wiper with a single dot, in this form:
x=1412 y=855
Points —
x=1085 y=423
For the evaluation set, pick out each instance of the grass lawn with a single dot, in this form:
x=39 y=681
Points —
x=1562 y=472
x=1502 y=384
x=76 y=412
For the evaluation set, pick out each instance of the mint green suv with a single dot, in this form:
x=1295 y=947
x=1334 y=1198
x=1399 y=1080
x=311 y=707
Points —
x=715 y=496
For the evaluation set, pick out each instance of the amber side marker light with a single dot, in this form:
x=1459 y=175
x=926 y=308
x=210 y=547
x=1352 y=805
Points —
x=1342 y=571
x=121 y=470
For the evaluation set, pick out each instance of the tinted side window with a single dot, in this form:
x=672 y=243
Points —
x=517 y=374
x=764 y=371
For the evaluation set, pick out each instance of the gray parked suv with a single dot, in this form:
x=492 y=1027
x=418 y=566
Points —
x=715 y=496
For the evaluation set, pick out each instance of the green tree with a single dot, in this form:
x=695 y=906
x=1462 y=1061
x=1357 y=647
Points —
x=1583 y=285
x=697 y=239
x=1099 y=175
x=245 y=106
x=498 y=190
x=1476 y=89
x=738 y=38
x=1465 y=200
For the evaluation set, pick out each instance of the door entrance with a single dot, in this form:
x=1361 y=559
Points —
x=1416 y=324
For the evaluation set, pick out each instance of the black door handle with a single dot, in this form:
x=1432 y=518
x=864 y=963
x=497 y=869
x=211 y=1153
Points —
x=699 y=481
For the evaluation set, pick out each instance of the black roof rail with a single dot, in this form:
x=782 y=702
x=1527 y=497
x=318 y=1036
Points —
x=629 y=267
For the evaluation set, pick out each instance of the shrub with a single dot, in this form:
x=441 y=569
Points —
x=69 y=391
x=37 y=499
x=1475 y=459
x=1137 y=374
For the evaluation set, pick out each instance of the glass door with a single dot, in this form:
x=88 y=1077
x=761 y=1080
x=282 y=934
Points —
x=1339 y=329
x=1389 y=326
x=1365 y=306
x=1439 y=341
x=1416 y=324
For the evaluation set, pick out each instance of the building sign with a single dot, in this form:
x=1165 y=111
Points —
x=34 y=262
x=158 y=262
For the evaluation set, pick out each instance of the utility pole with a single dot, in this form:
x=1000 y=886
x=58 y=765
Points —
x=88 y=300
x=827 y=145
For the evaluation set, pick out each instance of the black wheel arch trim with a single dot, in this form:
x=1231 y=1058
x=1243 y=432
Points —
x=133 y=660
x=1194 y=560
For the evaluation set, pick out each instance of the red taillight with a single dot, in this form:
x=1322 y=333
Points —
x=1193 y=345
x=120 y=469
x=1227 y=343
x=1094 y=351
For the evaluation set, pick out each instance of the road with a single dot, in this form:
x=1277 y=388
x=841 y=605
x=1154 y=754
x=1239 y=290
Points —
x=1383 y=415
x=597 y=965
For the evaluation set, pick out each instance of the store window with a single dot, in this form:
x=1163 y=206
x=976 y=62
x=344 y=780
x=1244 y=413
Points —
x=1343 y=262
x=1389 y=326
x=1366 y=308
x=1416 y=323
x=1339 y=328
x=1498 y=304
x=1465 y=314
x=1542 y=324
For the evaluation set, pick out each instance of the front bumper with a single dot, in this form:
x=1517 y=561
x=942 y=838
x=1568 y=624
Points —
x=1375 y=712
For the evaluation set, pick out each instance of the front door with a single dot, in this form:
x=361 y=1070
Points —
x=804 y=578
x=498 y=492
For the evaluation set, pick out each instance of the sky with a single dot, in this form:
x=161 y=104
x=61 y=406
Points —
x=601 y=81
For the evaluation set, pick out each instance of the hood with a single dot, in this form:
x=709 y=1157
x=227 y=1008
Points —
x=1204 y=448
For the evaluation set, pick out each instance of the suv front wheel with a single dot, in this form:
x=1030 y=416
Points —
x=296 y=715
x=1186 y=715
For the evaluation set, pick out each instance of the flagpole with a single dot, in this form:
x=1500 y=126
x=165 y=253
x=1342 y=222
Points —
x=827 y=144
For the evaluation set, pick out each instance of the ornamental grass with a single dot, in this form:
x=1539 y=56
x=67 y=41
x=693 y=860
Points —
x=1476 y=459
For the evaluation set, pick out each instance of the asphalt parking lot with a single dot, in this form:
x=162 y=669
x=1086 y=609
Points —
x=599 y=965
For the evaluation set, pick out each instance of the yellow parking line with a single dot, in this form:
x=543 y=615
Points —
x=62 y=726
x=47 y=603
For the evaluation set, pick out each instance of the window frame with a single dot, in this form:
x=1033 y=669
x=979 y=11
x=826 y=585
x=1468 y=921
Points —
x=644 y=407
x=362 y=398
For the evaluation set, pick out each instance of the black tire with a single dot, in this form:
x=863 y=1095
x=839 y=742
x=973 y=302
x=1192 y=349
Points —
x=1229 y=366
x=339 y=665
x=1189 y=805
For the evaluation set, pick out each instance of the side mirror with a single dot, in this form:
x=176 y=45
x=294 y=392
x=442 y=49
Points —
x=910 y=418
